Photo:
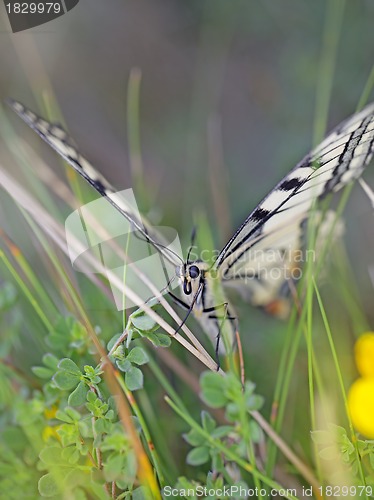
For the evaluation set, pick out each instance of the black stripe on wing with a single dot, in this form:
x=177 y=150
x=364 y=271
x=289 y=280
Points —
x=340 y=158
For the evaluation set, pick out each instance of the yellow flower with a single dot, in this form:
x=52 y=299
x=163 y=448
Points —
x=364 y=354
x=361 y=393
x=50 y=431
x=50 y=413
x=361 y=405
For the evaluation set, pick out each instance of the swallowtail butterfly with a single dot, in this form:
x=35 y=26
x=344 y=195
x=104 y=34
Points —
x=274 y=228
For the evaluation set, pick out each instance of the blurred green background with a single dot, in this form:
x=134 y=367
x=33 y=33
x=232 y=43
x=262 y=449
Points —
x=228 y=92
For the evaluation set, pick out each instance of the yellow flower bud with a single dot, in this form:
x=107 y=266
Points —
x=364 y=354
x=361 y=405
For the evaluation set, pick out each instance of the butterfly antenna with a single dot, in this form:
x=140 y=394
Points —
x=193 y=238
x=142 y=237
x=162 y=291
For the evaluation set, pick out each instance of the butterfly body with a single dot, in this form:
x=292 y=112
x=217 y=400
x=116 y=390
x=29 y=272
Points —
x=202 y=291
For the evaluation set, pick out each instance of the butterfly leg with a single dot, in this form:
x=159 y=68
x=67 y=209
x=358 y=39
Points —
x=217 y=317
x=179 y=301
x=220 y=306
x=164 y=290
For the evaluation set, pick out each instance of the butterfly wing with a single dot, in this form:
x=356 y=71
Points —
x=61 y=142
x=277 y=224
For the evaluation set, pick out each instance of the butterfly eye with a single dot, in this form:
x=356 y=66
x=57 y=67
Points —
x=194 y=272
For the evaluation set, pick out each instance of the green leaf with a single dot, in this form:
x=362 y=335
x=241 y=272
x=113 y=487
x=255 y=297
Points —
x=134 y=379
x=218 y=463
x=371 y=460
x=211 y=384
x=69 y=415
x=130 y=468
x=113 y=467
x=116 y=441
x=70 y=435
x=91 y=397
x=329 y=453
x=163 y=340
x=113 y=341
x=157 y=339
x=69 y=366
x=110 y=415
x=362 y=446
x=321 y=437
x=214 y=481
x=65 y=380
x=232 y=412
x=119 y=352
x=14 y=438
x=72 y=478
x=208 y=422
x=92 y=374
x=249 y=387
x=70 y=454
x=241 y=449
x=232 y=387
x=59 y=338
x=98 y=408
x=52 y=393
x=337 y=431
x=47 y=486
x=50 y=361
x=51 y=455
x=42 y=372
x=138 y=356
x=346 y=444
x=79 y=395
x=198 y=456
x=141 y=321
x=255 y=431
x=222 y=431
x=140 y=493
x=185 y=484
x=194 y=438
x=124 y=365
x=102 y=425
x=79 y=494
x=254 y=402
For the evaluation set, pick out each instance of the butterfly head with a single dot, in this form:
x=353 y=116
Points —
x=191 y=274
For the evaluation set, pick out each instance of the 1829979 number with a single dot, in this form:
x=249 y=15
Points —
x=346 y=491
x=34 y=8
